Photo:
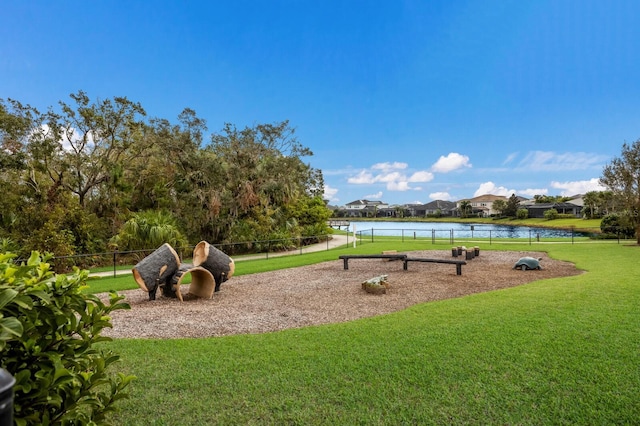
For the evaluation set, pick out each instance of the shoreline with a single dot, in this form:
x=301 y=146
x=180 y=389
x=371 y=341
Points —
x=570 y=224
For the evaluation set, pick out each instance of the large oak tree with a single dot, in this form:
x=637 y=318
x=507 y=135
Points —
x=622 y=177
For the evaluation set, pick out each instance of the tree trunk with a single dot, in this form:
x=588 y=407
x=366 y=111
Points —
x=156 y=269
x=215 y=261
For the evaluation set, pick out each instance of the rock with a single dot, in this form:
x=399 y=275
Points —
x=376 y=285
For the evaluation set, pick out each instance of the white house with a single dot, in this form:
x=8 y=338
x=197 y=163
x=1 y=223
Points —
x=364 y=207
x=482 y=204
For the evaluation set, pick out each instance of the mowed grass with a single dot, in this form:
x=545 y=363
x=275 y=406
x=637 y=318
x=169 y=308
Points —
x=559 y=351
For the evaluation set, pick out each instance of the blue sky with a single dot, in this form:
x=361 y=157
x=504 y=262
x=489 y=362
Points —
x=400 y=101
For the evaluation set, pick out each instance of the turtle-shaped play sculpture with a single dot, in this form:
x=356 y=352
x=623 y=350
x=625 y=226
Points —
x=525 y=263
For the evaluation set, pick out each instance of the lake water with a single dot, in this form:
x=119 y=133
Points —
x=460 y=230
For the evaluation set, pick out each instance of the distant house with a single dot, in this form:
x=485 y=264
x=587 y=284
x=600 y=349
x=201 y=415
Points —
x=482 y=205
x=433 y=208
x=364 y=208
x=414 y=210
x=538 y=210
x=439 y=207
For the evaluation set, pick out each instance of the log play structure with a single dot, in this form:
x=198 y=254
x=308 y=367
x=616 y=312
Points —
x=163 y=269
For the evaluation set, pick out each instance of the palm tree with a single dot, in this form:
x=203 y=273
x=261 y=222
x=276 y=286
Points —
x=149 y=230
x=465 y=208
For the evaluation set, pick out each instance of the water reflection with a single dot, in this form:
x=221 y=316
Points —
x=459 y=230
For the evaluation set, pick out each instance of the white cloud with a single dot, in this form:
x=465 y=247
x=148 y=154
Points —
x=375 y=196
x=578 y=187
x=422 y=176
x=390 y=177
x=391 y=174
x=330 y=193
x=400 y=186
x=553 y=161
x=390 y=166
x=491 y=188
x=531 y=192
x=510 y=158
x=68 y=137
x=363 y=177
x=451 y=162
x=440 y=196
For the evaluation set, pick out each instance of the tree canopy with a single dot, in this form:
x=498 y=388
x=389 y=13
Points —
x=73 y=176
x=622 y=178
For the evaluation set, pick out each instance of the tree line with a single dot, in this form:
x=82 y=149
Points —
x=93 y=175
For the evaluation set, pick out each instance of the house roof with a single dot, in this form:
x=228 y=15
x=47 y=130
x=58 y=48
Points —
x=486 y=198
x=439 y=204
x=365 y=203
x=552 y=205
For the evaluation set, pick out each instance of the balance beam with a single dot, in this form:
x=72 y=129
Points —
x=458 y=263
x=345 y=257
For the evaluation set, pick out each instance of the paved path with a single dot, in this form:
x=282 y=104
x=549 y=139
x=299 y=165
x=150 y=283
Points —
x=335 y=242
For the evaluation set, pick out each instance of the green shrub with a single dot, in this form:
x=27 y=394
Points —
x=616 y=225
x=551 y=214
x=566 y=216
x=522 y=214
x=48 y=335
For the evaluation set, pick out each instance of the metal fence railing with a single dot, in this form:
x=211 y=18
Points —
x=112 y=260
x=239 y=250
x=452 y=236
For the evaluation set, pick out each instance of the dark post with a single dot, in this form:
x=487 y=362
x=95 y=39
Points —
x=371 y=234
x=6 y=397
x=114 y=262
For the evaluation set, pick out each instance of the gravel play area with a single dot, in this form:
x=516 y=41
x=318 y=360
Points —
x=320 y=294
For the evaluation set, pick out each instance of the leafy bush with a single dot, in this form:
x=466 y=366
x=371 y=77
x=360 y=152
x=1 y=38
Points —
x=522 y=214
x=615 y=225
x=551 y=214
x=149 y=229
x=48 y=335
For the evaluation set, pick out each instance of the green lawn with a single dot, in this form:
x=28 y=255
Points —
x=559 y=351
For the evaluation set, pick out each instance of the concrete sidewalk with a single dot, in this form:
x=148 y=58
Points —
x=335 y=242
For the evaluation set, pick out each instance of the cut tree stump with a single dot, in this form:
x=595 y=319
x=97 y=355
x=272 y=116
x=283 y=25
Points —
x=202 y=282
x=215 y=261
x=156 y=269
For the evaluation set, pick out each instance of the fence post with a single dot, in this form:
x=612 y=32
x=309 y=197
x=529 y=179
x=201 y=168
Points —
x=371 y=234
x=114 y=262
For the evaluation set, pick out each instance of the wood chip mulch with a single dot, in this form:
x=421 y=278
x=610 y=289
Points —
x=321 y=294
